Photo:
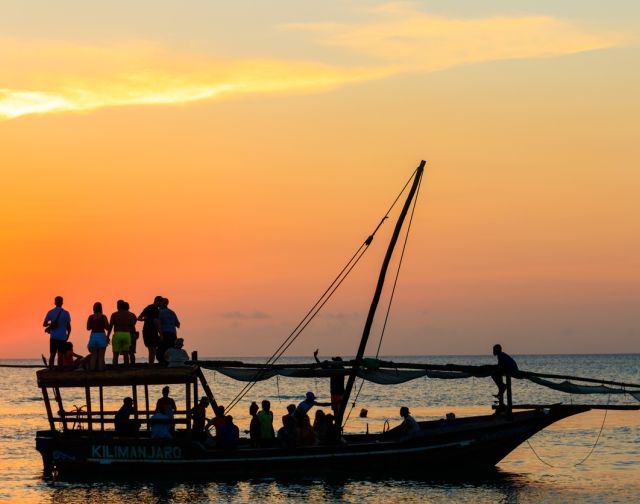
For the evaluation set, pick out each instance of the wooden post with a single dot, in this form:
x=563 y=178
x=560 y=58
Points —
x=188 y=405
x=509 y=398
x=56 y=393
x=87 y=391
x=206 y=389
x=146 y=403
x=47 y=405
x=134 y=393
x=101 y=409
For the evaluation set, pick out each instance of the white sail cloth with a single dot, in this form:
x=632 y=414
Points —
x=572 y=388
x=380 y=376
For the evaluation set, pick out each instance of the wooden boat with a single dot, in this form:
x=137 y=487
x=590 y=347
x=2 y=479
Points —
x=85 y=445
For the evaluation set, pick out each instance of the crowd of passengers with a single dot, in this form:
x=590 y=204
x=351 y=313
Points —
x=159 y=334
x=220 y=431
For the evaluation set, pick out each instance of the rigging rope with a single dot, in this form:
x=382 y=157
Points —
x=395 y=282
x=393 y=290
x=326 y=295
x=604 y=418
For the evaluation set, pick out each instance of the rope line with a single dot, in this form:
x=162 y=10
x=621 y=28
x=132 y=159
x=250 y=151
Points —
x=395 y=282
x=604 y=418
x=322 y=300
x=393 y=290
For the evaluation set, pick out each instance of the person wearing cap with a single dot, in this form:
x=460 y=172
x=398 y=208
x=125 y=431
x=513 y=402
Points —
x=409 y=424
x=176 y=356
x=336 y=382
x=151 y=328
x=308 y=403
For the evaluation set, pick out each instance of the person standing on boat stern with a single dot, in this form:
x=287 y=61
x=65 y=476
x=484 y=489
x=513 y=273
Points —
x=506 y=366
x=97 y=324
x=123 y=327
x=169 y=325
x=336 y=383
x=151 y=327
x=57 y=323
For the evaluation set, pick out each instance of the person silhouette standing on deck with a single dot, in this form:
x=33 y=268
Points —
x=336 y=382
x=151 y=327
x=506 y=366
x=57 y=323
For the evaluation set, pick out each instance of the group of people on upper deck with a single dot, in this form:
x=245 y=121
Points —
x=159 y=334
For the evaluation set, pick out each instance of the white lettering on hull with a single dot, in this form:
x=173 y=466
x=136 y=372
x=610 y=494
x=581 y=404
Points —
x=117 y=452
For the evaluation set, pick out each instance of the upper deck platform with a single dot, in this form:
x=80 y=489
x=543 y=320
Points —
x=119 y=376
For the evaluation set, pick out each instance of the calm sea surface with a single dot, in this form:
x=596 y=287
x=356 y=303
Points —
x=610 y=474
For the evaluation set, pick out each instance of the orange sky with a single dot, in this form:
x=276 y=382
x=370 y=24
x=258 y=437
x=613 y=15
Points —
x=237 y=179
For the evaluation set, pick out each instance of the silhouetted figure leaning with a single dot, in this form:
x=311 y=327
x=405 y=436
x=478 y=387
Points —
x=506 y=366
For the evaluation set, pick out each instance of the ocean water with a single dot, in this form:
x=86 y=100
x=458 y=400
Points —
x=610 y=474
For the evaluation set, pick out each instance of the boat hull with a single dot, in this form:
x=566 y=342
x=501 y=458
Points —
x=467 y=444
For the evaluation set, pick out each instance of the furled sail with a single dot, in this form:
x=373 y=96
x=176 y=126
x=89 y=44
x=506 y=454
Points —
x=379 y=376
x=572 y=388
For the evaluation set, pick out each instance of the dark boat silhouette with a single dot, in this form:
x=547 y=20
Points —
x=81 y=443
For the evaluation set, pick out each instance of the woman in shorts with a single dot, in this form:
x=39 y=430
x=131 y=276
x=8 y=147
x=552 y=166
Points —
x=97 y=324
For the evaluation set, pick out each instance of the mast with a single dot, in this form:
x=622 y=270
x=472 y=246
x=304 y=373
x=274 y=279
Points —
x=376 y=296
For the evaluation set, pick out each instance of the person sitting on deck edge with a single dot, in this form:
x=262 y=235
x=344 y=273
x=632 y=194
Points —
x=506 y=366
x=176 y=356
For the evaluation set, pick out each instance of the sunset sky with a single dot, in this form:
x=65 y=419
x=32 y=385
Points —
x=232 y=156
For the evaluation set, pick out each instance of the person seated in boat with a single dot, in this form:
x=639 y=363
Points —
x=161 y=422
x=265 y=419
x=287 y=433
x=320 y=427
x=290 y=409
x=176 y=356
x=229 y=435
x=123 y=423
x=506 y=366
x=254 y=426
x=409 y=425
x=336 y=383
x=219 y=419
x=166 y=403
x=200 y=421
x=72 y=360
x=304 y=434
x=332 y=431
x=306 y=405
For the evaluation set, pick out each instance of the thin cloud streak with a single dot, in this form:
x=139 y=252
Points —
x=51 y=77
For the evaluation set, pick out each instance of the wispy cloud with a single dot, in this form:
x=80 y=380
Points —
x=48 y=77
x=238 y=315
x=412 y=40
